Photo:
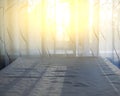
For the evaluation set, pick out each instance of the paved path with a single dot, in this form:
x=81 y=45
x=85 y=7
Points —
x=59 y=76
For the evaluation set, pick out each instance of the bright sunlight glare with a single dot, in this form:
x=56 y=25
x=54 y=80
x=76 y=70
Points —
x=61 y=16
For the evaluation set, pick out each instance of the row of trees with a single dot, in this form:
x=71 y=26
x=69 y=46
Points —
x=30 y=28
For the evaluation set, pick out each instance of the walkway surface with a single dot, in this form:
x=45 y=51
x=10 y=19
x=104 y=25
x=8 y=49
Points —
x=60 y=76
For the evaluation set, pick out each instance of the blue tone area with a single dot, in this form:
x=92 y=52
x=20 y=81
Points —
x=115 y=62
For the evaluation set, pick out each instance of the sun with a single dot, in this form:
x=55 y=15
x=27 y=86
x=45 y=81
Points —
x=60 y=12
x=62 y=20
